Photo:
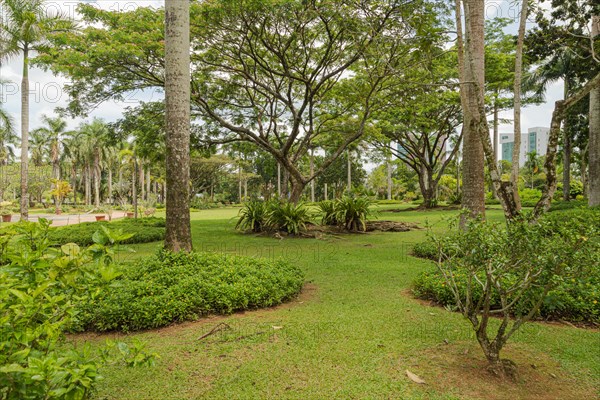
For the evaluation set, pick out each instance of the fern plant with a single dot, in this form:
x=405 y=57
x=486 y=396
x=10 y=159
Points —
x=327 y=209
x=253 y=215
x=352 y=212
x=288 y=217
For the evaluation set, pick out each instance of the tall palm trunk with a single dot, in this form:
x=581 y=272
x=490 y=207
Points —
x=97 y=177
x=516 y=155
x=594 y=141
x=389 y=178
x=177 y=121
x=110 y=190
x=88 y=185
x=349 y=167
x=472 y=85
x=55 y=161
x=25 y=136
x=148 y=184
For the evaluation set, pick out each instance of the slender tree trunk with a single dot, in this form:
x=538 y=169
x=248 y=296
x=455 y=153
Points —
x=286 y=184
x=312 y=172
x=25 y=137
x=134 y=194
x=279 y=180
x=88 y=186
x=142 y=179
x=240 y=199
x=594 y=140
x=514 y=176
x=496 y=136
x=148 y=184
x=97 y=177
x=325 y=194
x=472 y=86
x=389 y=178
x=349 y=172
x=110 y=191
x=567 y=147
x=177 y=98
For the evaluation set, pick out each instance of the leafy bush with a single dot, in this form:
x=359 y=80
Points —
x=253 y=215
x=426 y=249
x=567 y=205
x=166 y=288
x=575 y=289
x=529 y=197
x=199 y=203
x=143 y=230
x=288 y=217
x=352 y=212
x=328 y=211
x=38 y=287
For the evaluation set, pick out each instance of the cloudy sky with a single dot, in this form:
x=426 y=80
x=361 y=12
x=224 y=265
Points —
x=46 y=89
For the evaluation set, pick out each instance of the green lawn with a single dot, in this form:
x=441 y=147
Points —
x=350 y=335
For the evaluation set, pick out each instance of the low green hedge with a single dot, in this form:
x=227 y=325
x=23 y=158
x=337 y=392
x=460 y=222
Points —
x=144 y=230
x=173 y=287
x=575 y=298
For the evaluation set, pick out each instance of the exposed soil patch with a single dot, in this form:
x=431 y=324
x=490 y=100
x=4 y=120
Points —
x=459 y=368
x=391 y=226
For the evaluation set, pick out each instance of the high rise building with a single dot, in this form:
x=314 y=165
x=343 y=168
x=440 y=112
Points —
x=536 y=139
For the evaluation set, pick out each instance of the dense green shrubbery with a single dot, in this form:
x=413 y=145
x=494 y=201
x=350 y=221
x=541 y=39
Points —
x=567 y=205
x=426 y=249
x=202 y=204
x=166 y=288
x=144 y=230
x=38 y=287
x=575 y=294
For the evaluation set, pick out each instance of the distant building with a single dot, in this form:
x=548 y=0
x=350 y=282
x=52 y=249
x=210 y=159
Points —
x=536 y=139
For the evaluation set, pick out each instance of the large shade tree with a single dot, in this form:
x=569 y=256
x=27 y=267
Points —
x=24 y=29
x=281 y=74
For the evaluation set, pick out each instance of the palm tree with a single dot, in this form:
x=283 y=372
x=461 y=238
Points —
x=52 y=133
x=8 y=139
x=24 y=28
x=94 y=137
x=38 y=148
x=558 y=67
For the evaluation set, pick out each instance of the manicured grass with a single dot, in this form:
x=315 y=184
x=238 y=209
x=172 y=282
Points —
x=351 y=334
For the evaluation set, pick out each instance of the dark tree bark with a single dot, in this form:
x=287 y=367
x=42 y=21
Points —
x=177 y=119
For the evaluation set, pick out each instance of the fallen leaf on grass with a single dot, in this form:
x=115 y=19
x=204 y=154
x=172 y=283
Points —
x=277 y=327
x=414 y=378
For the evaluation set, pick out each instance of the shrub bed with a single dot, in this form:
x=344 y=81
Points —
x=166 y=288
x=576 y=296
x=144 y=230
